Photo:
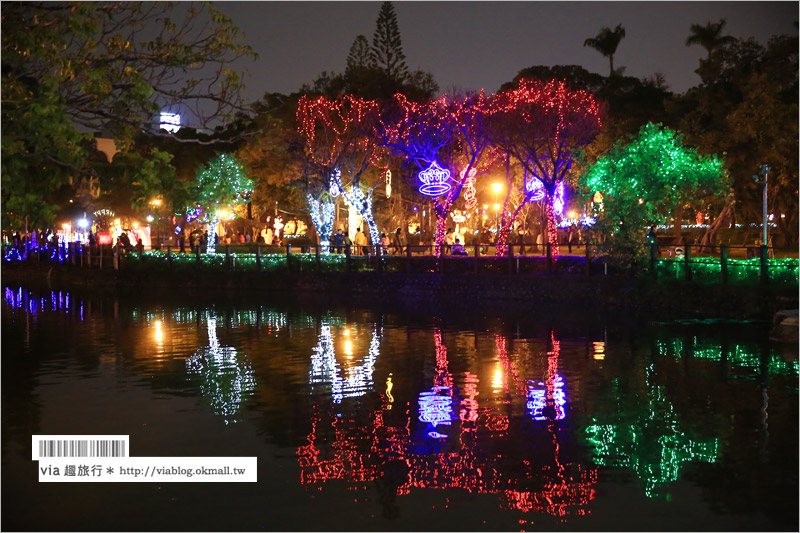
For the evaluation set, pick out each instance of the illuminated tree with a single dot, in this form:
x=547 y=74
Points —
x=221 y=183
x=341 y=148
x=643 y=181
x=543 y=126
x=424 y=133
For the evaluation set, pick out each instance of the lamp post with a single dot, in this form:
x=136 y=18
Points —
x=765 y=169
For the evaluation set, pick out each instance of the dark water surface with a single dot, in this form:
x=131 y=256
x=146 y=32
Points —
x=379 y=419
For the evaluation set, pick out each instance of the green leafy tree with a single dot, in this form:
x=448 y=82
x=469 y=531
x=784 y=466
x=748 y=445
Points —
x=69 y=68
x=606 y=42
x=746 y=108
x=642 y=182
x=220 y=184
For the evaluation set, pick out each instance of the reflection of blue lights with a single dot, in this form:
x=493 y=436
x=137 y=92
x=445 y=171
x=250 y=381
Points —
x=434 y=180
x=436 y=435
x=435 y=406
x=538 y=400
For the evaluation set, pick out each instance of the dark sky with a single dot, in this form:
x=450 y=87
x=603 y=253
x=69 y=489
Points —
x=477 y=45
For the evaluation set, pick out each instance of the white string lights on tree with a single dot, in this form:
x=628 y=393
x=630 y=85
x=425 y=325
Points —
x=388 y=178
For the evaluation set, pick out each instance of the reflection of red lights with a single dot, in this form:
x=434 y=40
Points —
x=348 y=450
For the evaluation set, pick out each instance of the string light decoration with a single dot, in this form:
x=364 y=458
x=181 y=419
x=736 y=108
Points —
x=454 y=129
x=388 y=179
x=323 y=214
x=535 y=189
x=220 y=183
x=334 y=183
x=340 y=134
x=656 y=166
x=434 y=180
x=543 y=125
x=558 y=200
x=470 y=201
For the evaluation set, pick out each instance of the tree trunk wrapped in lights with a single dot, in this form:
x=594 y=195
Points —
x=323 y=213
x=542 y=126
x=220 y=183
x=340 y=139
x=452 y=130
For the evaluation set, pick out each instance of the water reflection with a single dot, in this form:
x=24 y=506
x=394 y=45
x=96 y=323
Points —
x=357 y=401
x=453 y=443
x=226 y=378
x=326 y=371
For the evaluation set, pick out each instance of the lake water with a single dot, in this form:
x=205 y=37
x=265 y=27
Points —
x=400 y=419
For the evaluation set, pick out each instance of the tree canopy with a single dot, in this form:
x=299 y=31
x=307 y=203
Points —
x=72 y=69
x=644 y=180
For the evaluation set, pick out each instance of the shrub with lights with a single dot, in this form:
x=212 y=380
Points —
x=220 y=184
x=642 y=182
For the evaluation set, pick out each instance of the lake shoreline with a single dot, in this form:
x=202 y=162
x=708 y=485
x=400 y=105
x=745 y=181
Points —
x=515 y=292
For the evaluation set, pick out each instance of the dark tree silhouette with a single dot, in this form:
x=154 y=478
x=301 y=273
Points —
x=709 y=36
x=606 y=43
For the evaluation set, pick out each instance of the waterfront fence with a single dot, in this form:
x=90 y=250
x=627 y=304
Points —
x=695 y=263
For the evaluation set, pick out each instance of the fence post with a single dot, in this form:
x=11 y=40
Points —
x=510 y=255
x=258 y=258
x=89 y=256
x=723 y=263
x=316 y=256
x=197 y=254
x=408 y=258
x=764 y=263
x=101 y=256
x=289 y=257
x=227 y=257
x=115 y=253
x=347 y=257
x=687 y=265
x=169 y=256
x=477 y=255
x=379 y=257
x=653 y=259
x=441 y=258
x=549 y=247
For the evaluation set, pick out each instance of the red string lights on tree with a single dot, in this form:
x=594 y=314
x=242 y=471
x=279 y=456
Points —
x=542 y=125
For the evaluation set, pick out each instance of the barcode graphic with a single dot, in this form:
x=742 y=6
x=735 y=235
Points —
x=82 y=448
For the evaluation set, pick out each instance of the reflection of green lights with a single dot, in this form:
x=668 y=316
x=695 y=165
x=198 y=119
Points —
x=652 y=446
x=739 y=354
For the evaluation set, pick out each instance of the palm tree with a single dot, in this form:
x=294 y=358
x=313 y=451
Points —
x=606 y=43
x=709 y=36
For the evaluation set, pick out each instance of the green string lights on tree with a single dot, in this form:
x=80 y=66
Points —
x=644 y=181
x=221 y=183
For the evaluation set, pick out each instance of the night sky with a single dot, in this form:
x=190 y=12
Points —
x=477 y=45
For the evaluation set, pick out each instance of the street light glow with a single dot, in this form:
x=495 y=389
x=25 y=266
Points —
x=83 y=223
x=497 y=187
